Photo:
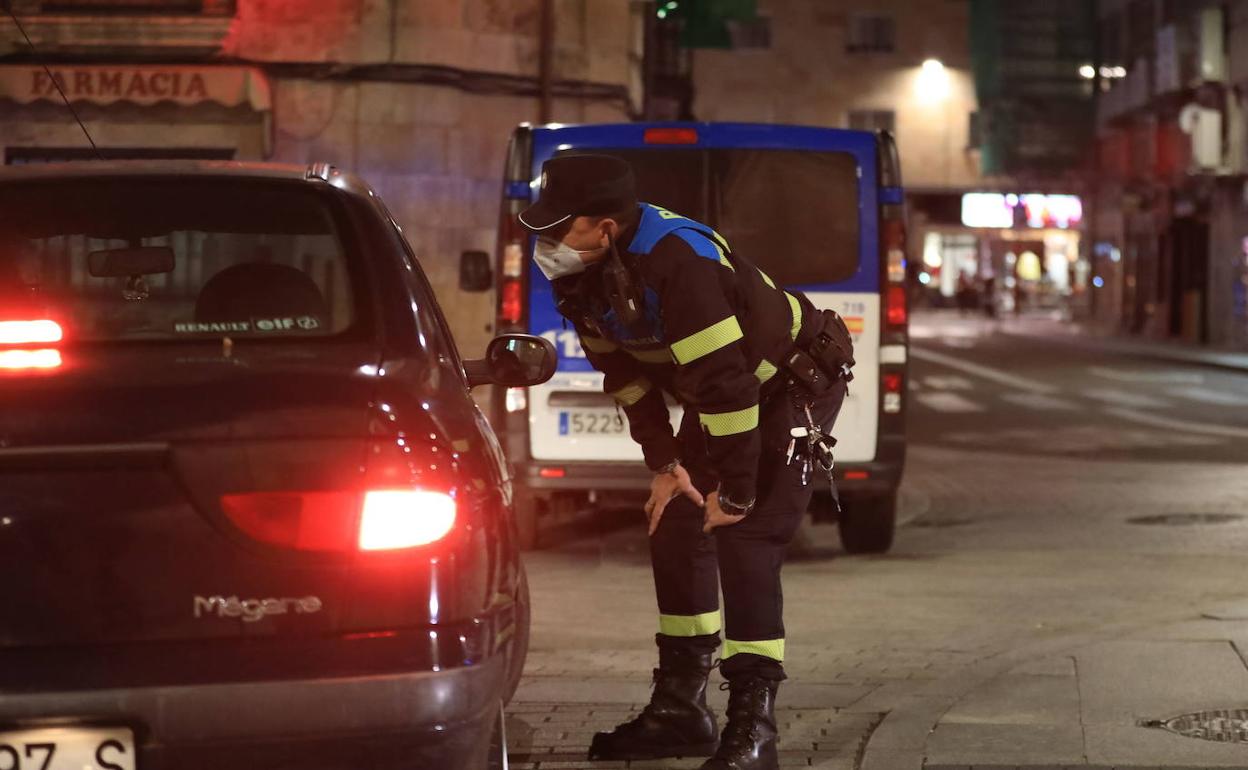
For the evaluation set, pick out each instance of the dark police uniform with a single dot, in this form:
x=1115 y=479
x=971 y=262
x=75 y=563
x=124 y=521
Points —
x=714 y=333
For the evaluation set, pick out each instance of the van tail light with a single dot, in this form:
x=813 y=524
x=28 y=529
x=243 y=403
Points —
x=896 y=311
x=671 y=136
x=511 y=301
x=513 y=242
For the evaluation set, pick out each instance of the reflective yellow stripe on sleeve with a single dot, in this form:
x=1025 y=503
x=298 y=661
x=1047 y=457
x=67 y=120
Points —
x=708 y=340
x=771 y=648
x=598 y=345
x=796 y=308
x=632 y=392
x=730 y=423
x=723 y=258
x=765 y=371
x=690 y=625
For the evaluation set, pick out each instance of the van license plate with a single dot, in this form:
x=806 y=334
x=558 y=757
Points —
x=68 y=748
x=585 y=422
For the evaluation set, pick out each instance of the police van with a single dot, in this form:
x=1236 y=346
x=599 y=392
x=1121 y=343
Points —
x=818 y=209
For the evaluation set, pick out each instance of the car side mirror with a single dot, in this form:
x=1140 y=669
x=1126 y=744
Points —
x=514 y=361
x=475 y=272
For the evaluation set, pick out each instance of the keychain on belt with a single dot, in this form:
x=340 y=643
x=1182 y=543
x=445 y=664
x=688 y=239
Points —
x=810 y=446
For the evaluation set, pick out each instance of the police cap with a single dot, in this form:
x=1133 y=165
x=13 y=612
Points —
x=581 y=186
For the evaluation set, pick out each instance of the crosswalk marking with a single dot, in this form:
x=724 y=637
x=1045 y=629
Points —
x=1130 y=375
x=1040 y=402
x=948 y=382
x=1209 y=396
x=1182 y=425
x=948 y=402
x=1119 y=397
x=986 y=372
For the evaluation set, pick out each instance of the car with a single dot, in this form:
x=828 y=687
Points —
x=250 y=516
x=819 y=209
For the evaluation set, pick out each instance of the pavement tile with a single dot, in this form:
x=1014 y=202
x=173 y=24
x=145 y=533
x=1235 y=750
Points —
x=909 y=724
x=892 y=759
x=1182 y=677
x=1130 y=745
x=995 y=744
x=1024 y=699
x=1057 y=665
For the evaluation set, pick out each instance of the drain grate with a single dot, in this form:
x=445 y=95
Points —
x=1186 y=519
x=1221 y=726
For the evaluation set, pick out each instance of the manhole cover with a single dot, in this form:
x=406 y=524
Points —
x=1186 y=519
x=1222 y=726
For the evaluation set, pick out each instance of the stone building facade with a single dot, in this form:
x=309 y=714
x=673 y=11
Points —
x=418 y=96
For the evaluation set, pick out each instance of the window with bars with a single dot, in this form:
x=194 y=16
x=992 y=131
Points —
x=873 y=120
x=871 y=33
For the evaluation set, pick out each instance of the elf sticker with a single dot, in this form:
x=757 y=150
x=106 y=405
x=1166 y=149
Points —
x=287 y=323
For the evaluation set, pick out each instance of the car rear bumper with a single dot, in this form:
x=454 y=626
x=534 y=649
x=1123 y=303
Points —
x=411 y=720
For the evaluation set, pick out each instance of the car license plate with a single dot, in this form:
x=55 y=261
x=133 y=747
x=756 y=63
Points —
x=68 y=748
x=584 y=422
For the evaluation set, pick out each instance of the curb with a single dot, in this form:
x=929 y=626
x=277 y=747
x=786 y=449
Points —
x=1209 y=359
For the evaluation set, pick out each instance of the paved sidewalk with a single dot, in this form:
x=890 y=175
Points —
x=1100 y=703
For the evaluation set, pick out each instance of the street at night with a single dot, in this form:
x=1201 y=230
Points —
x=1071 y=561
x=609 y=384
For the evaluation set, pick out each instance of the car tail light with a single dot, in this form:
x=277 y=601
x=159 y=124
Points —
x=517 y=399
x=404 y=518
x=22 y=360
x=374 y=520
x=892 y=383
x=552 y=473
x=671 y=136
x=857 y=475
x=41 y=332
x=513 y=242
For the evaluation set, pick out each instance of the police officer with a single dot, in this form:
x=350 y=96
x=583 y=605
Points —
x=662 y=304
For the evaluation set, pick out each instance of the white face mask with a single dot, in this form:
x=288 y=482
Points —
x=557 y=259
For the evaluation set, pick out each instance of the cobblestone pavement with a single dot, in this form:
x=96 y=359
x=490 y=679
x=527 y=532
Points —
x=1013 y=543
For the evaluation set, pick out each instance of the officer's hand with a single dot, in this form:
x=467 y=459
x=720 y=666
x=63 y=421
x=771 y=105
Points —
x=666 y=486
x=715 y=516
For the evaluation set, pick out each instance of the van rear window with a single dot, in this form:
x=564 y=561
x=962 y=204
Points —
x=793 y=213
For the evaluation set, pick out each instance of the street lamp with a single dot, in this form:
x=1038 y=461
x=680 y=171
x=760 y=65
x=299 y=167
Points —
x=933 y=82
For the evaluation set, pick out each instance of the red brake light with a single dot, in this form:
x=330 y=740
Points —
x=40 y=332
x=897 y=313
x=857 y=475
x=892 y=383
x=377 y=520
x=671 y=136
x=511 y=304
x=404 y=518
x=552 y=473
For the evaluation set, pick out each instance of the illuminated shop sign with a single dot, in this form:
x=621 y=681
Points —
x=1002 y=210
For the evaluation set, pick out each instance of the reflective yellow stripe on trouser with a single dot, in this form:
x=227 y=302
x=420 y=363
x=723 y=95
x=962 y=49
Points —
x=690 y=625
x=770 y=648
x=730 y=423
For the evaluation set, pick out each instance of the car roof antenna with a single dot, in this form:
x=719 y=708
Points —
x=6 y=5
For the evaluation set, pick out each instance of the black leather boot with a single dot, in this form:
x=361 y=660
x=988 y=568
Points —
x=749 y=738
x=677 y=721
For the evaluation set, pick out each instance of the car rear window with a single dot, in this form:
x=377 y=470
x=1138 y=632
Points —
x=793 y=213
x=134 y=259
